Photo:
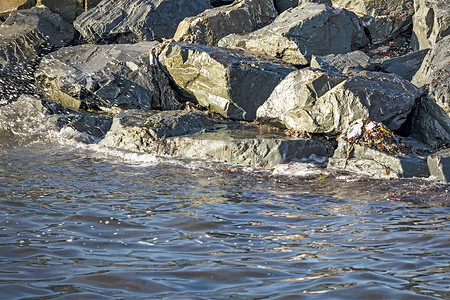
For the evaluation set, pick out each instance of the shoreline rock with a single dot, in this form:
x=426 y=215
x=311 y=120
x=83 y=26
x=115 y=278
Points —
x=192 y=134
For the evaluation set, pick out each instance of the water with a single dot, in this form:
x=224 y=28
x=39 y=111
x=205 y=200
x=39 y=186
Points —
x=81 y=222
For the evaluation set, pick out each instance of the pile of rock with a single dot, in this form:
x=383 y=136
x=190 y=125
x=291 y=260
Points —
x=258 y=67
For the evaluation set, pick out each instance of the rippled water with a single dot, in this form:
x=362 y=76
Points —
x=78 y=222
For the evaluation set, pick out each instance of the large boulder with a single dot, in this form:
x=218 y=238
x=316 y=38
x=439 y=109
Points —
x=382 y=19
x=232 y=83
x=29 y=33
x=130 y=21
x=314 y=101
x=405 y=66
x=377 y=163
x=434 y=73
x=431 y=23
x=8 y=6
x=106 y=77
x=298 y=33
x=213 y=24
x=192 y=134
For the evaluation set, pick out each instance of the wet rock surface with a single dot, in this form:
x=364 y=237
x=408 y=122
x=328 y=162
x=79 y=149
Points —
x=193 y=134
x=377 y=163
x=131 y=21
x=298 y=33
x=106 y=77
x=93 y=125
x=213 y=24
x=231 y=83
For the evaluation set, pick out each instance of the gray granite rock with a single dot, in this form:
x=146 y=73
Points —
x=306 y=30
x=434 y=73
x=110 y=78
x=232 y=83
x=130 y=21
x=29 y=33
x=193 y=134
x=318 y=102
x=430 y=123
x=405 y=66
x=383 y=20
x=376 y=163
x=431 y=23
x=282 y=5
x=439 y=164
x=339 y=62
x=213 y=24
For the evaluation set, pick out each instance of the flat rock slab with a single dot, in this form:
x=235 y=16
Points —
x=29 y=33
x=339 y=62
x=439 y=164
x=231 y=83
x=131 y=21
x=315 y=101
x=202 y=137
x=106 y=77
x=298 y=33
x=376 y=163
x=213 y=24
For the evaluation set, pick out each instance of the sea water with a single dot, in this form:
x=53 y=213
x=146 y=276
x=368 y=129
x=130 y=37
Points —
x=78 y=221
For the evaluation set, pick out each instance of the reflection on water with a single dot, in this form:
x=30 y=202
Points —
x=82 y=224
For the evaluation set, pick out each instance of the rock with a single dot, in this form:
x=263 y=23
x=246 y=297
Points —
x=8 y=6
x=434 y=73
x=431 y=23
x=298 y=33
x=339 y=62
x=430 y=123
x=68 y=9
x=439 y=164
x=405 y=66
x=383 y=20
x=106 y=77
x=29 y=33
x=382 y=29
x=84 y=122
x=213 y=24
x=131 y=21
x=192 y=134
x=377 y=163
x=231 y=83
x=317 y=102
x=282 y=5
x=401 y=8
